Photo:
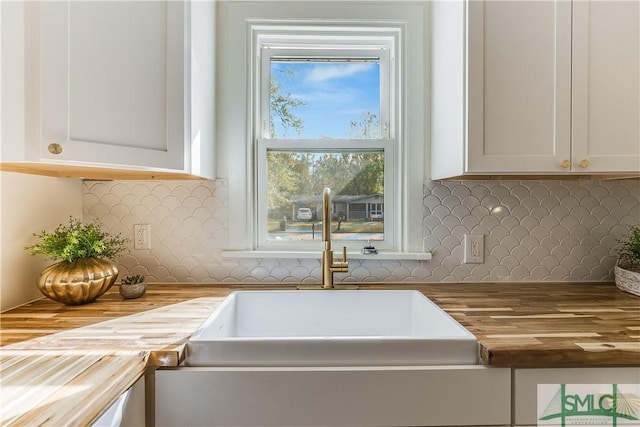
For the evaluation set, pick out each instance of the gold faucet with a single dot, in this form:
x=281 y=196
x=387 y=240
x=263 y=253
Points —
x=328 y=265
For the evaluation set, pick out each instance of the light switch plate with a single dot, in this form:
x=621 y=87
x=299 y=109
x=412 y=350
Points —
x=473 y=248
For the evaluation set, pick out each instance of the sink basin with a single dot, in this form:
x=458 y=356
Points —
x=330 y=328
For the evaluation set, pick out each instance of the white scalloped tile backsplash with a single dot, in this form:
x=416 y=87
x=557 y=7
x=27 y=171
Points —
x=534 y=231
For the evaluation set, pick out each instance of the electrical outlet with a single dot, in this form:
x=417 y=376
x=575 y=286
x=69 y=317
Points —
x=141 y=236
x=473 y=248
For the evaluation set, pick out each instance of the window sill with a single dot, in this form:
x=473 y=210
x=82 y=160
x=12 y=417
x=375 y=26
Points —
x=410 y=256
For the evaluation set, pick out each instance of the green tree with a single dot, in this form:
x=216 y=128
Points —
x=367 y=128
x=283 y=104
x=287 y=175
x=349 y=173
x=369 y=175
x=285 y=171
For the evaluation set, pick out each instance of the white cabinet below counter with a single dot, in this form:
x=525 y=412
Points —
x=127 y=411
x=123 y=85
x=533 y=87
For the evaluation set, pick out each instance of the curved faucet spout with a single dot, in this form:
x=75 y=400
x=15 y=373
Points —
x=328 y=265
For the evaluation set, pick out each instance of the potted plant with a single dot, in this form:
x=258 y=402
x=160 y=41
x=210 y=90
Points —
x=627 y=270
x=133 y=286
x=86 y=269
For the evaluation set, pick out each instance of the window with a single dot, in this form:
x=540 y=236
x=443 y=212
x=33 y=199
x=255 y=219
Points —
x=376 y=211
x=326 y=106
x=243 y=29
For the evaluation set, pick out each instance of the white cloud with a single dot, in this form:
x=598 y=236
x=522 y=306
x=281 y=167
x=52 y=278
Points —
x=345 y=95
x=336 y=71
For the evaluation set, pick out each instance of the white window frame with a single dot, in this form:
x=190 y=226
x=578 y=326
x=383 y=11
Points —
x=237 y=23
x=336 y=43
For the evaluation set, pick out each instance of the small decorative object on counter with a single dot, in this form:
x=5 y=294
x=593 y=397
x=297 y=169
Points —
x=627 y=270
x=86 y=270
x=133 y=287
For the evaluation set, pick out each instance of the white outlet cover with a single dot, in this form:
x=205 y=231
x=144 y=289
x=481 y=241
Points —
x=141 y=236
x=473 y=248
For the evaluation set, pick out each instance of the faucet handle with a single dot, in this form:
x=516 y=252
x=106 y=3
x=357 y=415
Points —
x=342 y=266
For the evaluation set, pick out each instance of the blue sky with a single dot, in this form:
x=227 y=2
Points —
x=335 y=94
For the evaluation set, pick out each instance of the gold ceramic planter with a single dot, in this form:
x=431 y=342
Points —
x=77 y=282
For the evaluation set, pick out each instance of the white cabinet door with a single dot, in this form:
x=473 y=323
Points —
x=519 y=86
x=113 y=83
x=535 y=87
x=606 y=86
x=127 y=411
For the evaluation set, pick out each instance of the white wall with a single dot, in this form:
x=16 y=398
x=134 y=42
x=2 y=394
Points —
x=28 y=204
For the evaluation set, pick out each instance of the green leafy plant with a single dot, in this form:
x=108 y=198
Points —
x=76 y=240
x=629 y=250
x=132 y=280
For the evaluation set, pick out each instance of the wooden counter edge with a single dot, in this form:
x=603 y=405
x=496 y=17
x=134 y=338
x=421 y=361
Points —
x=171 y=357
x=518 y=358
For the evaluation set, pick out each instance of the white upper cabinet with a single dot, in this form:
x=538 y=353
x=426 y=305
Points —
x=516 y=90
x=519 y=85
x=125 y=84
x=606 y=86
x=112 y=83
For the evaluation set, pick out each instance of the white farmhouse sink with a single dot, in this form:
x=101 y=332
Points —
x=330 y=328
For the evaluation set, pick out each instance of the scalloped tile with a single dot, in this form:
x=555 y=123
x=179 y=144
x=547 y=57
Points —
x=534 y=231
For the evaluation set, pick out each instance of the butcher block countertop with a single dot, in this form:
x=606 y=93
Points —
x=63 y=365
